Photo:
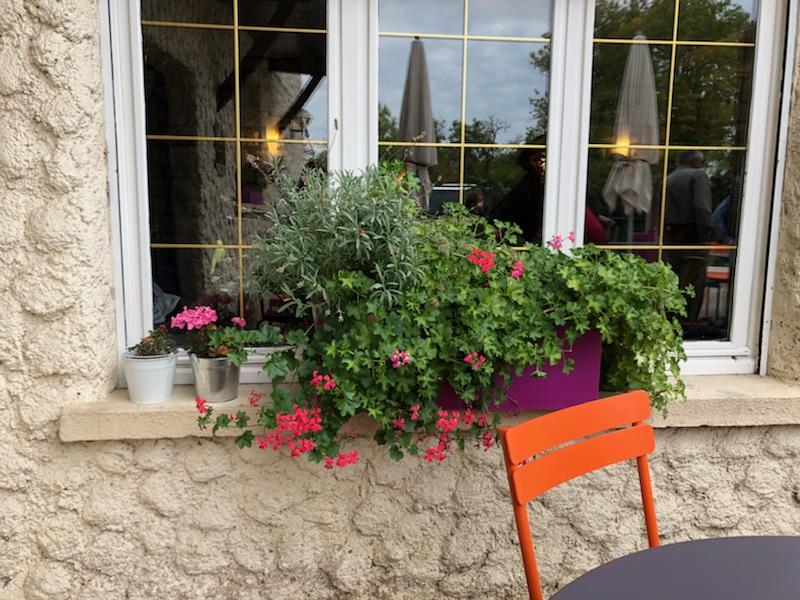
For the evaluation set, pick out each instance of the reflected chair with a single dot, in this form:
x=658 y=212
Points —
x=555 y=448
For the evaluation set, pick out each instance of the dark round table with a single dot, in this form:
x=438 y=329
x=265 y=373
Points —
x=736 y=568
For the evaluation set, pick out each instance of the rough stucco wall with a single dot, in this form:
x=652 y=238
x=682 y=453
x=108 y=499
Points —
x=784 y=337
x=198 y=519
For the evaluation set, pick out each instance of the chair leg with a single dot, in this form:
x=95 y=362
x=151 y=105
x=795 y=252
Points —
x=528 y=557
x=647 y=501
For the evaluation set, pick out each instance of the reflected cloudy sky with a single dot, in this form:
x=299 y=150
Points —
x=501 y=81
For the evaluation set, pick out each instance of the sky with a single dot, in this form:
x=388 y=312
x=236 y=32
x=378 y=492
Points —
x=500 y=77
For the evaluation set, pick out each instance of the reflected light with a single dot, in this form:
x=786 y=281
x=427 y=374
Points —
x=622 y=146
x=272 y=135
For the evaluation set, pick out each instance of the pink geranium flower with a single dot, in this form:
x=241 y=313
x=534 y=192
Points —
x=239 y=322
x=556 y=242
x=517 y=269
x=194 y=318
x=200 y=404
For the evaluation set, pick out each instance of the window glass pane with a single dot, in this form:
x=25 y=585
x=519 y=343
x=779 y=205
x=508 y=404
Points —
x=718 y=20
x=206 y=199
x=283 y=85
x=710 y=274
x=703 y=201
x=507 y=105
x=512 y=18
x=480 y=111
x=609 y=218
x=668 y=184
x=215 y=12
x=711 y=97
x=192 y=190
x=508 y=185
x=608 y=71
x=183 y=70
x=623 y=19
x=187 y=276
x=305 y=14
x=422 y=16
x=443 y=59
x=258 y=184
x=444 y=174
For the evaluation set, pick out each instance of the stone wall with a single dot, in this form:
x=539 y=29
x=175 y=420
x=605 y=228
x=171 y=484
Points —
x=784 y=361
x=195 y=519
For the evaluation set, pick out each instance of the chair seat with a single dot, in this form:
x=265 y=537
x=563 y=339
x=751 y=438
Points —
x=738 y=568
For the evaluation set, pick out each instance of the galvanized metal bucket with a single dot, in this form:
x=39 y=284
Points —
x=215 y=379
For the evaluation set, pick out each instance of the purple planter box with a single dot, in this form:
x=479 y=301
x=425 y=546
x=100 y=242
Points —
x=553 y=392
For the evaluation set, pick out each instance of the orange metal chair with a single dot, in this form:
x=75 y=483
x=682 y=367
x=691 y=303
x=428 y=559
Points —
x=623 y=436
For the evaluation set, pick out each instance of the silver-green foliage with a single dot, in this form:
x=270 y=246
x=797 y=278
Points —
x=330 y=225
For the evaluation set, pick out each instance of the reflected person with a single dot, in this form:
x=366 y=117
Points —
x=687 y=222
x=523 y=205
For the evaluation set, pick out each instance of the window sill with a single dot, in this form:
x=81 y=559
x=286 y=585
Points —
x=712 y=401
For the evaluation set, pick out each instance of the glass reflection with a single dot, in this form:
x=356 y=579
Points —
x=609 y=217
x=443 y=59
x=308 y=14
x=622 y=19
x=512 y=18
x=183 y=69
x=703 y=201
x=608 y=71
x=507 y=105
x=507 y=184
x=711 y=96
x=192 y=192
x=718 y=20
x=709 y=274
x=421 y=16
x=219 y=12
x=189 y=276
x=283 y=85
x=261 y=164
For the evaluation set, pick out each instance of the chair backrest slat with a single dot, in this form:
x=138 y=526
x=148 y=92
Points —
x=559 y=427
x=559 y=466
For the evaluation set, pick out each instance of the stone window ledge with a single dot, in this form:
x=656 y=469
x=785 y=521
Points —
x=712 y=401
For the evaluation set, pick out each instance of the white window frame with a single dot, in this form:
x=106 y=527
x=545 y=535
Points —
x=353 y=143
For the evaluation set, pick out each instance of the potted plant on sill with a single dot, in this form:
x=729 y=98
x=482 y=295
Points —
x=217 y=350
x=149 y=367
x=405 y=304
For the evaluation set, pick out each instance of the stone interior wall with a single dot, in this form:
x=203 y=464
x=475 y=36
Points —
x=195 y=519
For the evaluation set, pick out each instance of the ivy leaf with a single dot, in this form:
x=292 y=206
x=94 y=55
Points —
x=395 y=453
x=276 y=365
x=296 y=337
x=245 y=439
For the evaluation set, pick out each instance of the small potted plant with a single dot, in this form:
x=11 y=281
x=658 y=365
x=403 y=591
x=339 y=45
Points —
x=150 y=367
x=217 y=350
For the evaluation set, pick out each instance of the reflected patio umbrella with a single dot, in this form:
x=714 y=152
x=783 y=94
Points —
x=630 y=180
x=416 y=120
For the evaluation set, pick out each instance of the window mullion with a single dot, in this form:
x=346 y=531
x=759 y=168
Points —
x=568 y=127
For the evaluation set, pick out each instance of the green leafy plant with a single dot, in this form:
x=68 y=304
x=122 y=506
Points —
x=361 y=225
x=469 y=304
x=158 y=342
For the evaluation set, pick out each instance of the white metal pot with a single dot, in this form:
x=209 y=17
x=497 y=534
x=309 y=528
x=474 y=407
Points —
x=215 y=379
x=149 y=378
